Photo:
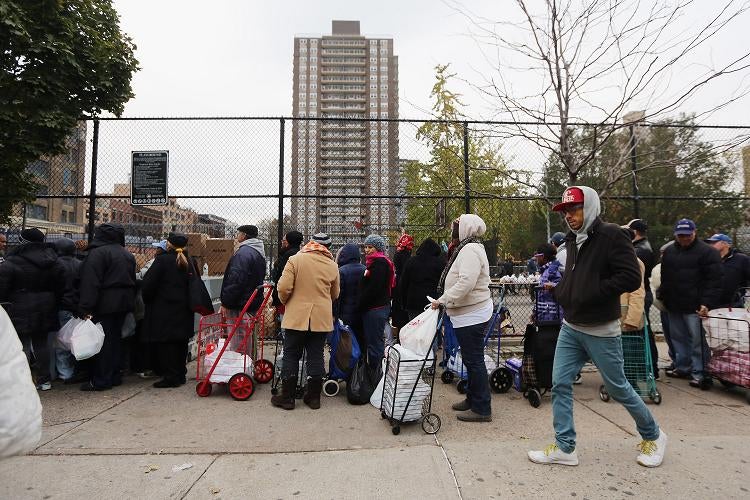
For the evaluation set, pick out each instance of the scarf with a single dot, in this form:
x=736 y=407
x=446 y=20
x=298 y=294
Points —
x=370 y=258
x=454 y=255
x=314 y=246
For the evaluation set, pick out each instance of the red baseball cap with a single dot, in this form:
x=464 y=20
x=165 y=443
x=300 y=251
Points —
x=571 y=196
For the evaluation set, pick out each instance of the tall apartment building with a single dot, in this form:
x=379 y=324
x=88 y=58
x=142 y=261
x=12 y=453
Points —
x=339 y=164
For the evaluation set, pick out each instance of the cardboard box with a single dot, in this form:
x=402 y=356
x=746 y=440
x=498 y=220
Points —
x=196 y=245
x=218 y=253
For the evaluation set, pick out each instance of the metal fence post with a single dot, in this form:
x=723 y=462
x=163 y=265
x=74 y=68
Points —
x=92 y=189
x=467 y=187
x=634 y=168
x=280 y=222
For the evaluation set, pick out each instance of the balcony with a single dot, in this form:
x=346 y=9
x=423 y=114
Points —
x=343 y=145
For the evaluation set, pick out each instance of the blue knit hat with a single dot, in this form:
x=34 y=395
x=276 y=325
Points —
x=375 y=241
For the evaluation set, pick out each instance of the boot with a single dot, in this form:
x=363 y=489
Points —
x=285 y=399
x=312 y=395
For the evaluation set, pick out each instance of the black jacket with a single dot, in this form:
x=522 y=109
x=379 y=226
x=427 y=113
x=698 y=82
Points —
x=421 y=275
x=165 y=293
x=690 y=277
x=645 y=253
x=66 y=251
x=107 y=274
x=375 y=285
x=33 y=282
x=351 y=271
x=736 y=276
x=595 y=276
x=278 y=269
x=244 y=273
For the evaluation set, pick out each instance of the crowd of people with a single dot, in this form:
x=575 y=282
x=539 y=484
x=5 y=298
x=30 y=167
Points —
x=598 y=280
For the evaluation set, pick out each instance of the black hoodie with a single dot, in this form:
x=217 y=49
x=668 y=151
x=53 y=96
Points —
x=33 y=282
x=421 y=275
x=107 y=274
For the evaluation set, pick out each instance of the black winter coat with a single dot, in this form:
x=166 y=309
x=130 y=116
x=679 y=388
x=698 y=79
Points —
x=245 y=272
x=169 y=317
x=351 y=271
x=596 y=275
x=278 y=269
x=736 y=276
x=33 y=282
x=375 y=286
x=690 y=277
x=107 y=274
x=421 y=275
x=645 y=253
x=66 y=251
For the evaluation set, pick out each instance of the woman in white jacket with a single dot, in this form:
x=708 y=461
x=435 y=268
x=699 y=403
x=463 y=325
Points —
x=20 y=409
x=465 y=293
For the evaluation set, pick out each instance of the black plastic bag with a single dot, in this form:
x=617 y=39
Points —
x=362 y=383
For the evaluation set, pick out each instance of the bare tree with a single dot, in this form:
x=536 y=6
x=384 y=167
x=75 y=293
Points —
x=592 y=61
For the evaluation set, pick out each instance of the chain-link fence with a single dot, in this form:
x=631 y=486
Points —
x=352 y=177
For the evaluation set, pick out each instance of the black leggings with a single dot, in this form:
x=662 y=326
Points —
x=172 y=358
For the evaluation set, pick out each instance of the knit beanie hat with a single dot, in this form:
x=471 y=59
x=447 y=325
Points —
x=322 y=238
x=294 y=238
x=375 y=241
x=31 y=235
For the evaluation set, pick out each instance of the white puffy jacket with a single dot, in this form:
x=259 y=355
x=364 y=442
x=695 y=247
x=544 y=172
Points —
x=20 y=408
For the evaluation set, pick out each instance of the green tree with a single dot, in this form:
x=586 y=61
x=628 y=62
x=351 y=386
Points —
x=62 y=60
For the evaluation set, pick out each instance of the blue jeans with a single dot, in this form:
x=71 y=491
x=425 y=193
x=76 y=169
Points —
x=574 y=348
x=373 y=323
x=667 y=336
x=471 y=341
x=62 y=363
x=689 y=342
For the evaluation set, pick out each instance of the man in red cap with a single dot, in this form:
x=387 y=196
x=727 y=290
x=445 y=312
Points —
x=601 y=265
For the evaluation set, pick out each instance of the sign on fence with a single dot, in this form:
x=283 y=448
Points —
x=148 y=185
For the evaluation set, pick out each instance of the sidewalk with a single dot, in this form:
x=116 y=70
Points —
x=125 y=443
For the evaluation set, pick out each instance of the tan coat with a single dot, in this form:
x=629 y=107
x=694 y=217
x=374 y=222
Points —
x=308 y=287
x=632 y=305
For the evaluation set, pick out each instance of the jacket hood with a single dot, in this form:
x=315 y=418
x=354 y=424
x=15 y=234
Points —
x=107 y=234
x=65 y=246
x=429 y=248
x=591 y=210
x=40 y=255
x=349 y=253
x=470 y=226
x=256 y=244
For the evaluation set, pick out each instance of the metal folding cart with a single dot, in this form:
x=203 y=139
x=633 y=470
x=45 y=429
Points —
x=728 y=338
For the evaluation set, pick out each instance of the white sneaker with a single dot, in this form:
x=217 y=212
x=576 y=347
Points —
x=652 y=452
x=45 y=386
x=553 y=455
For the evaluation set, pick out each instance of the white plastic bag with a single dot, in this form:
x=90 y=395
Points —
x=87 y=340
x=377 y=395
x=66 y=332
x=418 y=334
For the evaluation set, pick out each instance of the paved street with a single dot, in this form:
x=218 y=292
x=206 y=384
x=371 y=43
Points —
x=141 y=442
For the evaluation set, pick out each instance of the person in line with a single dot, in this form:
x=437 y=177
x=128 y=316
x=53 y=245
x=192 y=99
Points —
x=601 y=266
x=166 y=294
x=546 y=309
x=307 y=288
x=736 y=267
x=159 y=248
x=376 y=286
x=638 y=229
x=3 y=245
x=691 y=281
x=32 y=281
x=106 y=295
x=289 y=246
x=465 y=293
x=421 y=276
x=558 y=241
x=351 y=271
x=655 y=283
x=63 y=360
x=404 y=247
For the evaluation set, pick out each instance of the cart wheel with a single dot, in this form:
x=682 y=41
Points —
x=431 y=423
x=330 y=388
x=603 y=394
x=383 y=415
x=396 y=430
x=241 y=386
x=655 y=397
x=203 y=390
x=447 y=377
x=461 y=386
x=726 y=384
x=263 y=371
x=535 y=399
x=706 y=383
x=500 y=380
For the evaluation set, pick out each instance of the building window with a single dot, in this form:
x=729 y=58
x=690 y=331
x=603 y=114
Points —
x=313 y=69
x=303 y=42
x=384 y=69
x=383 y=42
x=383 y=60
x=383 y=86
x=373 y=104
x=373 y=69
x=373 y=59
x=36 y=212
x=313 y=59
x=313 y=50
x=302 y=86
x=68 y=201
x=303 y=104
x=384 y=114
x=40 y=168
x=69 y=177
x=313 y=77
x=72 y=217
x=314 y=95
x=373 y=115
x=302 y=96
x=383 y=51
x=313 y=42
x=313 y=86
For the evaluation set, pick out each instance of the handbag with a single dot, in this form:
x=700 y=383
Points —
x=200 y=300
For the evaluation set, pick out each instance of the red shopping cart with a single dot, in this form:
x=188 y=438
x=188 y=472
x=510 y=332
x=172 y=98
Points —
x=229 y=352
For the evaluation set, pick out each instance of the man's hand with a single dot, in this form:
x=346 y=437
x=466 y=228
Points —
x=435 y=304
x=223 y=310
x=702 y=311
x=548 y=286
x=629 y=328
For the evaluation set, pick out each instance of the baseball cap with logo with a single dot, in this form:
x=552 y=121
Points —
x=571 y=196
x=684 y=226
x=719 y=237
